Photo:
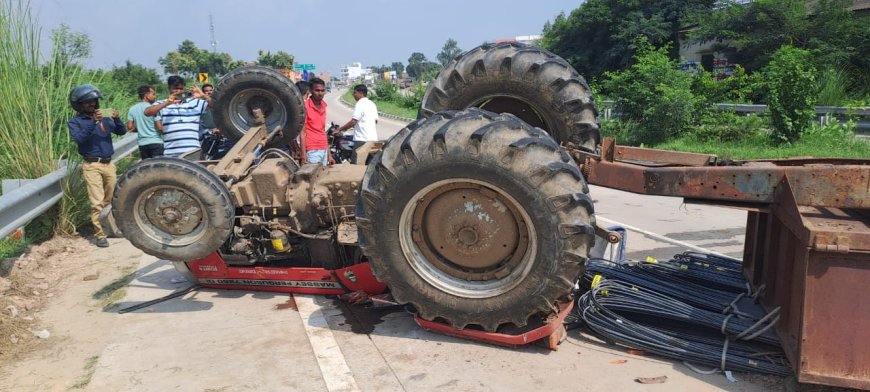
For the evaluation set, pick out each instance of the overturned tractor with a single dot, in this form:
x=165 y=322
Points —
x=474 y=213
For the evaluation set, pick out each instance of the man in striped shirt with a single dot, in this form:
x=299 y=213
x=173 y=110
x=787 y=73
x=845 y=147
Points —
x=181 y=117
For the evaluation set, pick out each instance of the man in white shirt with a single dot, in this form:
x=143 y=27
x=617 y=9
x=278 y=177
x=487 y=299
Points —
x=364 y=121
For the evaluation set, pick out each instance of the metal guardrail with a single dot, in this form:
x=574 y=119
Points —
x=825 y=113
x=25 y=199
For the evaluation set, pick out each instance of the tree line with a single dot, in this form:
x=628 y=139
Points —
x=600 y=35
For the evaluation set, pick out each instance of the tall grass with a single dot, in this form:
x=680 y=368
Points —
x=33 y=135
x=34 y=90
x=33 y=132
x=832 y=85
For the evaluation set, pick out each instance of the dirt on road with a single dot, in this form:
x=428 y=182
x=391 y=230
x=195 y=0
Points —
x=53 y=311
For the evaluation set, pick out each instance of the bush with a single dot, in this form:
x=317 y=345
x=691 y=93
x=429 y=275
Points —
x=738 y=88
x=652 y=93
x=831 y=135
x=791 y=93
x=386 y=90
x=729 y=127
x=622 y=130
x=415 y=98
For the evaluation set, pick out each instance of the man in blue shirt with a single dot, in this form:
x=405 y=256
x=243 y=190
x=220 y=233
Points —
x=92 y=130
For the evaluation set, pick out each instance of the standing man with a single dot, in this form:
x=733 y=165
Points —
x=92 y=131
x=147 y=128
x=312 y=140
x=207 y=122
x=181 y=117
x=364 y=121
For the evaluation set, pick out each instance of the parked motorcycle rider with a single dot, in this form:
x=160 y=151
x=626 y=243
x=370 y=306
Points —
x=364 y=121
x=312 y=140
x=92 y=131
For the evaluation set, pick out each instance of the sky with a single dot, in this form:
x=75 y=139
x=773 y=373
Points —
x=326 y=33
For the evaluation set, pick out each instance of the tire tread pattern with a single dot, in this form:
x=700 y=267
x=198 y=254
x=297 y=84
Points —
x=535 y=75
x=558 y=203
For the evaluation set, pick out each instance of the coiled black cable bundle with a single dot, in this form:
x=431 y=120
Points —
x=696 y=307
x=715 y=271
x=626 y=299
x=692 y=348
x=665 y=278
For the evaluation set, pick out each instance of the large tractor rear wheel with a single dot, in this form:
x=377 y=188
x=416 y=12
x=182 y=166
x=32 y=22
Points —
x=244 y=89
x=475 y=218
x=173 y=209
x=531 y=83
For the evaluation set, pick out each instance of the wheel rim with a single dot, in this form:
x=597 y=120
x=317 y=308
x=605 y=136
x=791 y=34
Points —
x=468 y=238
x=244 y=102
x=171 y=213
x=513 y=105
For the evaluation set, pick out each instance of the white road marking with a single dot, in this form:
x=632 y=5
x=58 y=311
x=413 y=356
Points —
x=661 y=237
x=333 y=367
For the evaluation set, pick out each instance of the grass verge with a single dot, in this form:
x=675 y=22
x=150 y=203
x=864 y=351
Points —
x=11 y=247
x=739 y=150
x=387 y=107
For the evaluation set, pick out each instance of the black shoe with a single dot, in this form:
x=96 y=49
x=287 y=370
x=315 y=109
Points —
x=102 y=243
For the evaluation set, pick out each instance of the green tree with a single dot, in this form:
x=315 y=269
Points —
x=448 y=52
x=130 y=76
x=70 y=46
x=419 y=67
x=752 y=32
x=653 y=94
x=416 y=64
x=383 y=68
x=280 y=59
x=398 y=67
x=599 y=35
x=430 y=70
x=188 y=60
x=790 y=78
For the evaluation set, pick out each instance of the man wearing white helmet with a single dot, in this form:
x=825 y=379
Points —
x=92 y=130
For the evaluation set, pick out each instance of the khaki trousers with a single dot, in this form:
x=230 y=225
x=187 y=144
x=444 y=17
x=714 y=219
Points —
x=100 y=179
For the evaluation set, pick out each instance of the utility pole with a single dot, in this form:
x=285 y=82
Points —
x=211 y=29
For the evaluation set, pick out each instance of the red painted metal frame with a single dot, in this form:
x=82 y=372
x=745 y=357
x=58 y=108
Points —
x=549 y=328
x=211 y=271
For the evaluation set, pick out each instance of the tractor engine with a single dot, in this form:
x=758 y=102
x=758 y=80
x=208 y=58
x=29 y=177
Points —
x=302 y=214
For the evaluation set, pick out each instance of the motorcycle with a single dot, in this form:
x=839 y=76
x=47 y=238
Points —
x=341 y=146
x=215 y=146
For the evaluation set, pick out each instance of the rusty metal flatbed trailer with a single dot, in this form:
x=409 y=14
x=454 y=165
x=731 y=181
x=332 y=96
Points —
x=807 y=241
